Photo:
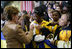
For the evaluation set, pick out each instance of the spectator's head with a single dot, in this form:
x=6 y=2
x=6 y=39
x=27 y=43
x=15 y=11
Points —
x=58 y=8
x=49 y=6
x=55 y=5
x=56 y=15
x=26 y=21
x=65 y=19
x=65 y=9
x=24 y=12
x=11 y=13
x=40 y=12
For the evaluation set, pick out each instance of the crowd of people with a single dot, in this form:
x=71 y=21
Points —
x=47 y=27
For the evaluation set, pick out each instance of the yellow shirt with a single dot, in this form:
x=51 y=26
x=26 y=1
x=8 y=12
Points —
x=44 y=23
x=65 y=35
x=52 y=28
x=49 y=27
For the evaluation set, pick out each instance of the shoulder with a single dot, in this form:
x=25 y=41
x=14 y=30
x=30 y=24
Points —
x=18 y=26
x=45 y=22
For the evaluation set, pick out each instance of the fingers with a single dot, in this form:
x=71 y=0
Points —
x=31 y=27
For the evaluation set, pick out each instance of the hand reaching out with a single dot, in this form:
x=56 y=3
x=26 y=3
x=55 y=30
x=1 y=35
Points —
x=31 y=27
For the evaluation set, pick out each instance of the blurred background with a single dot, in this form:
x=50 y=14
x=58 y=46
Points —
x=29 y=5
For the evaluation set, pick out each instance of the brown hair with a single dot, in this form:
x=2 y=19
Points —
x=26 y=22
x=9 y=11
x=3 y=17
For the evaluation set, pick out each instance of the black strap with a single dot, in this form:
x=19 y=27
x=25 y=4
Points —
x=45 y=31
x=57 y=32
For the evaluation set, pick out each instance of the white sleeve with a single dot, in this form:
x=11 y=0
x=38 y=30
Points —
x=39 y=38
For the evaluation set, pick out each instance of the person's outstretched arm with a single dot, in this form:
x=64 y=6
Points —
x=22 y=36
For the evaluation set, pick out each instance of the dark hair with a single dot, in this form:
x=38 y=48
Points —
x=26 y=22
x=38 y=11
x=57 y=12
x=68 y=8
x=41 y=11
x=9 y=11
x=24 y=11
x=51 y=5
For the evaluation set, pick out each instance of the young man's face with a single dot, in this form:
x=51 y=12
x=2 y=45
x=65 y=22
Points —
x=58 y=9
x=55 y=16
x=63 y=20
